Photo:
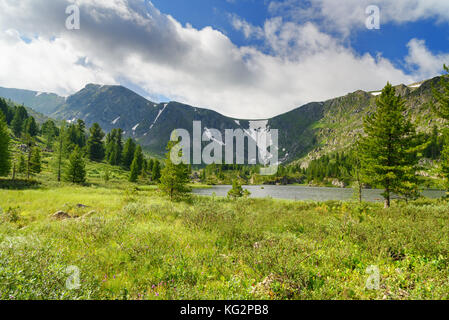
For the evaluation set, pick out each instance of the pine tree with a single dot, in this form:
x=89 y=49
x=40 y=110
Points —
x=7 y=111
x=156 y=171
x=138 y=156
x=49 y=131
x=80 y=133
x=114 y=147
x=95 y=145
x=5 y=154
x=134 y=175
x=128 y=153
x=35 y=161
x=30 y=127
x=389 y=149
x=174 y=178
x=17 y=122
x=442 y=110
x=150 y=168
x=76 y=169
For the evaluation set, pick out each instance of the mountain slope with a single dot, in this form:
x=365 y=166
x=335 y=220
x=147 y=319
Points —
x=45 y=103
x=306 y=132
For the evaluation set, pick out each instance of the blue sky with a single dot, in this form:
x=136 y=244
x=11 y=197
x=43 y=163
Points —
x=243 y=58
x=391 y=40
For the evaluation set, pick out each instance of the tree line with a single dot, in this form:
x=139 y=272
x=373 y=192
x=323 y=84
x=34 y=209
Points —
x=71 y=144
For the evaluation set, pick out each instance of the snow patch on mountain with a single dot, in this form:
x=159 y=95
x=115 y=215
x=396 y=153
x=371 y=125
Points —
x=159 y=114
x=259 y=131
x=210 y=136
x=115 y=121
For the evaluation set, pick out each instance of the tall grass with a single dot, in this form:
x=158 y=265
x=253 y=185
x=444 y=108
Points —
x=132 y=243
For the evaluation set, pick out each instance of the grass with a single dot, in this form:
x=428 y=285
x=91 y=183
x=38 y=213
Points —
x=132 y=243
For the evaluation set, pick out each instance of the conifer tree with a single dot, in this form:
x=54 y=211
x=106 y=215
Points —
x=6 y=110
x=128 y=153
x=5 y=154
x=138 y=156
x=442 y=110
x=156 y=171
x=134 y=175
x=389 y=149
x=17 y=123
x=95 y=145
x=30 y=127
x=114 y=147
x=174 y=178
x=76 y=168
x=150 y=165
x=49 y=132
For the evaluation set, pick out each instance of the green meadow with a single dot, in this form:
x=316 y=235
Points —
x=124 y=241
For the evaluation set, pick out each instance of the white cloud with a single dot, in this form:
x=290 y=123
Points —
x=425 y=63
x=349 y=15
x=124 y=39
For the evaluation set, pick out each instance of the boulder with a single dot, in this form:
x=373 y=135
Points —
x=61 y=215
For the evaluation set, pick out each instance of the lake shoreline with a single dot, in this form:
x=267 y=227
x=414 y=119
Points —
x=308 y=193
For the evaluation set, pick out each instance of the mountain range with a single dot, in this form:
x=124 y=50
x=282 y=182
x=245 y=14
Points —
x=304 y=133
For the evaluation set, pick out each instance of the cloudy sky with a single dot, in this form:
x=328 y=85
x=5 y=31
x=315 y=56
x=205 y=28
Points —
x=244 y=58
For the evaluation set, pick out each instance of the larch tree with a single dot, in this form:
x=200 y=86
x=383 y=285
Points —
x=174 y=177
x=389 y=150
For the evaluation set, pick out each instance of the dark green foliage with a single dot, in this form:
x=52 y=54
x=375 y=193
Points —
x=7 y=111
x=156 y=171
x=17 y=123
x=138 y=156
x=5 y=155
x=95 y=144
x=74 y=135
x=76 y=168
x=30 y=127
x=433 y=150
x=128 y=153
x=49 y=132
x=134 y=175
x=337 y=165
x=150 y=165
x=442 y=110
x=137 y=164
x=442 y=96
x=114 y=147
x=81 y=131
x=389 y=150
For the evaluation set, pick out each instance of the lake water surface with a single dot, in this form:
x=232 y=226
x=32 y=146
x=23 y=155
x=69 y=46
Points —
x=306 y=193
